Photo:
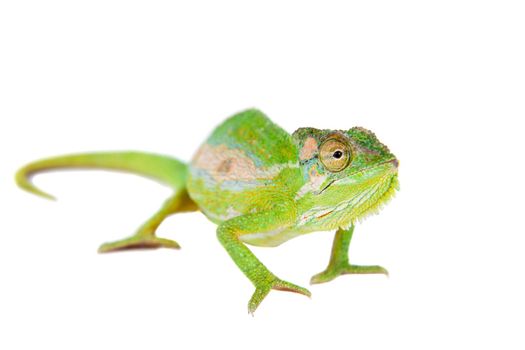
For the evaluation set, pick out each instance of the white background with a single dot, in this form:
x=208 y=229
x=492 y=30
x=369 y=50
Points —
x=441 y=83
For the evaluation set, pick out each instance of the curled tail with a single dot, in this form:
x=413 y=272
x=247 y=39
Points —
x=161 y=168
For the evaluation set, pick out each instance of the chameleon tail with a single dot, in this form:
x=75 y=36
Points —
x=161 y=168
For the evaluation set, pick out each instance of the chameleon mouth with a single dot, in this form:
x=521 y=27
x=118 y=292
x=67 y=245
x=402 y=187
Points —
x=394 y=162
x=324 y=188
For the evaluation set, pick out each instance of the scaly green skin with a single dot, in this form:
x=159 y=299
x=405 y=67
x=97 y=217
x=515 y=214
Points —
x=262 y=186
x=339 y=263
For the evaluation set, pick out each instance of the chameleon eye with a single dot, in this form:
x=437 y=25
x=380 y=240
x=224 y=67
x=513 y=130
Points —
x=335 y=154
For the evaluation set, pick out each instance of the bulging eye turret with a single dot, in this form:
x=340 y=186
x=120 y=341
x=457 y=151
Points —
x=335 y=154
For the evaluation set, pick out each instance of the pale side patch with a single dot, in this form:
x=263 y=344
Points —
x=225 y=164
x=309 y=149
x=270 y=172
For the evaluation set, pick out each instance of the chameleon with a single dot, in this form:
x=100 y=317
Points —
x=262 y=186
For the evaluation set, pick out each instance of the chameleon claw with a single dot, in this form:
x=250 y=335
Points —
x=331 y=273
x=261 y=292
x=359 y=269
x=290 y=287
x=138 y=242
x=323 y=277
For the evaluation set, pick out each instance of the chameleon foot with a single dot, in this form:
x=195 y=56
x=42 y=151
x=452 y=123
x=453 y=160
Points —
x=263 y=289
x=138 y=242
x=332 y=272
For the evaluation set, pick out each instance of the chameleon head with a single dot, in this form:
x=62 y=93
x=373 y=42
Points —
x=347 y=175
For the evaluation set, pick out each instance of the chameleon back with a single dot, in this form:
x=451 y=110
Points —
x=243 y=167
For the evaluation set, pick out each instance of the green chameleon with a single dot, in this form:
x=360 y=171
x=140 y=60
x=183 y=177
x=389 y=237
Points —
x=261 y=186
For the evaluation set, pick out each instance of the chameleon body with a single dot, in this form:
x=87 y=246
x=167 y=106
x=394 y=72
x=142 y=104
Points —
x=261 y=186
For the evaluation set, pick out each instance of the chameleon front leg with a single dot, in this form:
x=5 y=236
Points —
x=145 y=236
x=339 y=263
x=263 y=279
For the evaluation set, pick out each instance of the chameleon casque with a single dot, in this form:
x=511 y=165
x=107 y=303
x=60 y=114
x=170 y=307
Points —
x=261 y=186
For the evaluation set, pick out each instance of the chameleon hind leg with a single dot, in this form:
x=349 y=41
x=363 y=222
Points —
x=339 y=263
x=158 y=167
x=145 y=237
